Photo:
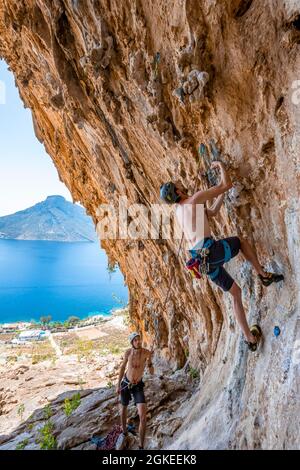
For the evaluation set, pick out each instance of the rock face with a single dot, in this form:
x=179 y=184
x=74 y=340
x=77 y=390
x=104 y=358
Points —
x=122 y=94
x=53 y=219
x=97 y=412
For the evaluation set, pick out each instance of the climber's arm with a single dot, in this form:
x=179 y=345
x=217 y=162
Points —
x=216 y=206
x=200 y=197
x=122 y=370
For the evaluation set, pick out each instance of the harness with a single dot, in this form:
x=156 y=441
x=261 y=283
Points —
x=199 y=266
x=128 y=385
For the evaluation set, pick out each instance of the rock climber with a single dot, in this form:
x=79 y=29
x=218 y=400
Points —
x=130 y=384
x=211 y=254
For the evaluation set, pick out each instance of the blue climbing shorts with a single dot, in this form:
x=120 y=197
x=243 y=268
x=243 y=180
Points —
x=128 y=391
x=216 y=252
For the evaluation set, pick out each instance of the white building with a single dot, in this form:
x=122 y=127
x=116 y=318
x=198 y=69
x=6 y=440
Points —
x=32 y=335
x=7 y=327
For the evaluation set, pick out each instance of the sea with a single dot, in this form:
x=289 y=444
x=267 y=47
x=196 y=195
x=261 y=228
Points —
x=60 y=279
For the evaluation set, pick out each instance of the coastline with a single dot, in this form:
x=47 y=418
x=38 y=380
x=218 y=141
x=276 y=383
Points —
x=36 y=373
x=99 y=317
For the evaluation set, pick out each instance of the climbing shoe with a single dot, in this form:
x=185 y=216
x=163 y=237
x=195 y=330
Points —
x=270 y=278
x=256 y=331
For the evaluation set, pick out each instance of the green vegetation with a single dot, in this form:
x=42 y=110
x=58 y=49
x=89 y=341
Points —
x=36 y=358
x=47 y=412
x=112 y=348
x=12 y=359
x=42 y=351
x=112 y=267
x=21 y=445
x=81 y=382
x=109 y=384
x=84 y=349
x=127 y=319
x=115 y=349
x=194 y=373
x=73 y=320
x=45 y=320
x=47 y=440
x=21 y=410
x=70 y=404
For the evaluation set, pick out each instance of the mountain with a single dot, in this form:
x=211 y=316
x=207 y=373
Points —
x=53 y=219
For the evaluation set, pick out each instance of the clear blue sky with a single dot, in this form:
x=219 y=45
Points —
x=27 y=173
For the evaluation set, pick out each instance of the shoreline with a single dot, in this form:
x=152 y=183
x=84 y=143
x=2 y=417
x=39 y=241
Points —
x=35 y=374
x=49 y=241
x=96 y=317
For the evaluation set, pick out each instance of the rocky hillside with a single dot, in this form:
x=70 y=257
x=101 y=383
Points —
x=53 y=219
x=122 y=93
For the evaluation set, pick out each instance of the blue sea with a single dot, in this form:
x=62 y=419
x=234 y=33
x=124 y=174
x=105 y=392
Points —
x=39 y=278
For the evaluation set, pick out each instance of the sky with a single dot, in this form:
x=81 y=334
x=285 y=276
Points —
x=27 y=173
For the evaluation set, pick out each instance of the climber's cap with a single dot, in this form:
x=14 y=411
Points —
x=168 y=193
x=132 y=336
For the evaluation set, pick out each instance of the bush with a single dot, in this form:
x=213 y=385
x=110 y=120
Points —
x=21 y=410
x=70 y=404
x=112 y=267
x=46 y=320
x=115 y=349
x=21 y=445
x=194 y=373
x=127 y=320
x=73 y=320
x=81 y=383
x=12 y=359
x=47 y=412
x=84 y=348
x=36 y=358
x=47 y=440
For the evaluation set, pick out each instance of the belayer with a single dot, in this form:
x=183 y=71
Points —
x=209 y=255
x=130 y=383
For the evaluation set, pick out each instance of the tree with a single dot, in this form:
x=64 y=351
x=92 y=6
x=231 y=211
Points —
x=73 y=319
x=46 y=320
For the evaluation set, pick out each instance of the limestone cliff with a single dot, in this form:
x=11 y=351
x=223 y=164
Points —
x=122 y=93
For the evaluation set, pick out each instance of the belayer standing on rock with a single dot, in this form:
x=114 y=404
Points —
x=208 y=254
x=130 y=384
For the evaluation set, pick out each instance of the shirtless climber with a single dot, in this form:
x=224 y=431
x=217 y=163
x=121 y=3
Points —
x=131 y=383
x=212 y=254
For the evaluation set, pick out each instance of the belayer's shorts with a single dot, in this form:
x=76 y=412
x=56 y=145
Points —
x=135 y=391
x=216 y=254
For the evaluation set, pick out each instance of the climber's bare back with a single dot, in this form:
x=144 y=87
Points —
x=186 y=212
x=136 y=362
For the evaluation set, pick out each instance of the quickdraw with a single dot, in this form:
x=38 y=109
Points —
x=199 y=266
